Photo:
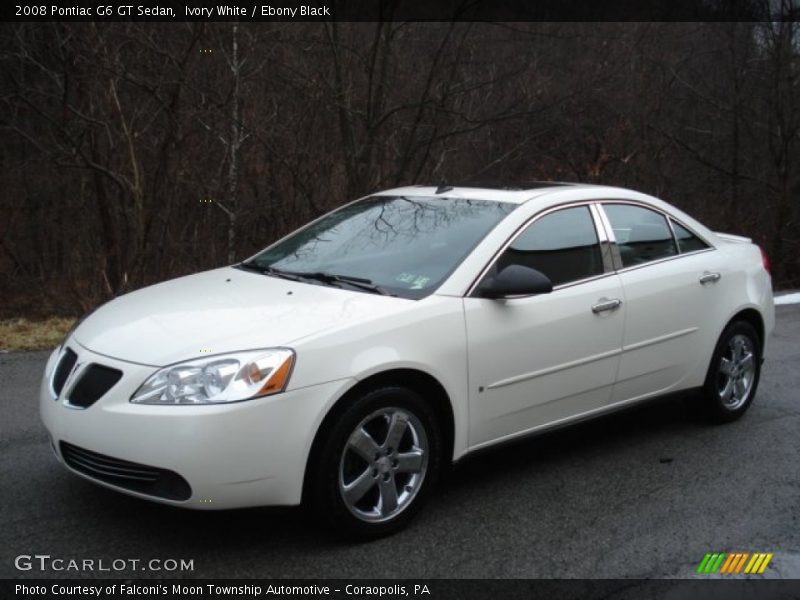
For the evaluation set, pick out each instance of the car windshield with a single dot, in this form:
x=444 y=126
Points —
x=399 y=245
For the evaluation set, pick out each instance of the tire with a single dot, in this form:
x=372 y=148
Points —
x=734 y=372
x=366 y=484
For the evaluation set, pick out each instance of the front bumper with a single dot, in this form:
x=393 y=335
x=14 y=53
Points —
x=250 y=453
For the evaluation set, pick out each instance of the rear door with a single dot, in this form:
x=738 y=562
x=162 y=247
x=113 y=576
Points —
x=670 y=281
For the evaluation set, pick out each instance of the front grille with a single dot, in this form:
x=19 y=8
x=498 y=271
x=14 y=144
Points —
x=63 y=370
x=129 y=475
x=95 y=381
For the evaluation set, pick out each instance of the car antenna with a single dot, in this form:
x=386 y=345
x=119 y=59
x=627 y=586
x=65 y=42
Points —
x=443 y=187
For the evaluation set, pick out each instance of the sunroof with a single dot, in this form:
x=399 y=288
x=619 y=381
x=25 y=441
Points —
x=510 y=187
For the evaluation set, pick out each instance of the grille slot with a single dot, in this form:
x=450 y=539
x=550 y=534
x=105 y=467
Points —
x=95 y=381
x=125 y=474
x=63 y=370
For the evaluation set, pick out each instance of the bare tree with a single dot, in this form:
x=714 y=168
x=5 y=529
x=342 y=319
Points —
x=137 y=152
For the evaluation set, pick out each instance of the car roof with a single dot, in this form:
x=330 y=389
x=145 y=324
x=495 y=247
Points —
x=515 y=193
x=550 y=193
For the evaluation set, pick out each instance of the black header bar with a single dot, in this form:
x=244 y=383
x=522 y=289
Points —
x=401 y=10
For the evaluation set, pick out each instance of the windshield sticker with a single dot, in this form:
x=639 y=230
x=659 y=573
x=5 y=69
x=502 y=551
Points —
x=414 y=282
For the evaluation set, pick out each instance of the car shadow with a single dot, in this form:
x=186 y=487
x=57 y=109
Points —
x=290 y=530
x=664 y=415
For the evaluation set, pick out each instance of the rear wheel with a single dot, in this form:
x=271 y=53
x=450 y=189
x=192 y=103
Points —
x=734 y=372
x=376 y=464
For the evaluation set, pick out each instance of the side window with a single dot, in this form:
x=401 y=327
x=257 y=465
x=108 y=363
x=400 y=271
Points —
x=563 y=245
x=687 y=241
x=642 y=235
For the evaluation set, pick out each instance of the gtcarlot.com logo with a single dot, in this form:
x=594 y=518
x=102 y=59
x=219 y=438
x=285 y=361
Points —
x=734 y=563
x=45 y=562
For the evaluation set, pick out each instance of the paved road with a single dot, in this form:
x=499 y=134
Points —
x=645 y=493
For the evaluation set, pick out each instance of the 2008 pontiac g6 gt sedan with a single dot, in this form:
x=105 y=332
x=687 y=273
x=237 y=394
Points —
x=346 y=365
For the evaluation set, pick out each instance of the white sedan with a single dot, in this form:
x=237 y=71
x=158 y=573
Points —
x=349 y=363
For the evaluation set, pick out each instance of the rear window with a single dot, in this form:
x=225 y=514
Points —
x=642 y=235
x=687 y=241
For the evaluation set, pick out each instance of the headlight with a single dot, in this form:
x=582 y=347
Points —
x=221 y=378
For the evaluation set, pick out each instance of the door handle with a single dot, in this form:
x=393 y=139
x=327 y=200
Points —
x=606 y=304
x=709 y=278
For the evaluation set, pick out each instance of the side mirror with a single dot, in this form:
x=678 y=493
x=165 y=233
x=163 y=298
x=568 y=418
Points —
x=515 y=280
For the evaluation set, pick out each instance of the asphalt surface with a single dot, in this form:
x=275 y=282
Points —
x=644 y=493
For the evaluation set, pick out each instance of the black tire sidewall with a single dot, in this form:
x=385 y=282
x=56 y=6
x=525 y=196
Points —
x=325 y=498
x=714 y=406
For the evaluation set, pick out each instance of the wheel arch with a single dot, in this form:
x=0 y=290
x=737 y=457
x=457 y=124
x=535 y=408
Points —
x=421 y=382
x=753 y=317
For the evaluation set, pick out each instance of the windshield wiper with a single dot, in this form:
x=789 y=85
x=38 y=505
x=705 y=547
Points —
x=357 y=282
x=329 y=278
x=251 y=266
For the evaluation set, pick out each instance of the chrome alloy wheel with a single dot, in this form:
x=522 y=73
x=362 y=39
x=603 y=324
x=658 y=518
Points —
x=383 y=464
x=736 y=372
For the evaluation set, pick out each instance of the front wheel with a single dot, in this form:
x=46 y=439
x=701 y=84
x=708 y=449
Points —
x=376 y=463
x=734 y=372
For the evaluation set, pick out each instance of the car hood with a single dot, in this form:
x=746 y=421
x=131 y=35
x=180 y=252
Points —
x=221 y=311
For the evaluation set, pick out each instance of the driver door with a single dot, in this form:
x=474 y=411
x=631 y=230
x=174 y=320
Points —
x=538 y=360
